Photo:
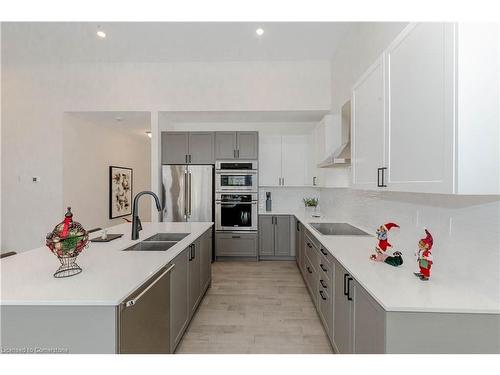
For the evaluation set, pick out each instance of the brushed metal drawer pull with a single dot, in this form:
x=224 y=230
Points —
x=323 y=284
x=309 y=245
x=323 y=268
x=323 y=251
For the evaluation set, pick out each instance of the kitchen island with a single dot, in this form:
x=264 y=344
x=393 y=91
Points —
x=80 y=314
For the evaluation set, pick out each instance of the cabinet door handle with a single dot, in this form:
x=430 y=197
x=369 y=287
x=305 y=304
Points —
x=298 y=226
x=323 y=267
x=309 y=245
x=345 y=283
x=189 y=158
x=314 y=181
x=323 y=284
x=238 y=153
x=190 y=253
x=283 y=181
x=322 y=295
x=186 y=158
x=194 y=251
x=349 y=279
x=383 y=177
x=378 y=177
x=323 y=251
x=309 y=270
x=235 y=236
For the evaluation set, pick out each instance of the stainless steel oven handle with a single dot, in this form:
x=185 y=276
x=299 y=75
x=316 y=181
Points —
x=133 y=301
x=234 y=203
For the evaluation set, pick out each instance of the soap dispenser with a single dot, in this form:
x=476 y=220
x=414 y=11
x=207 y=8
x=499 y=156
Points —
x=269 y=202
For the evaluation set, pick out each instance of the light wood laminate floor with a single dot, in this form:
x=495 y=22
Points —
x=255 y=307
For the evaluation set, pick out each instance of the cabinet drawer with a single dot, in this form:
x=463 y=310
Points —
x=311 y=278
x=236 y=244
x=325 y=254
x=325 y=307
x=325 y=268
x=311 y=250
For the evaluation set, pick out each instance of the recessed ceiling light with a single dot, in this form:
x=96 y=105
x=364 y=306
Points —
x=259 y=31
x=148 y=133
x=101 y=34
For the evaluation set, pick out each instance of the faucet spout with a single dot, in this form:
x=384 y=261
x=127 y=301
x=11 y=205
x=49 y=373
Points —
x=136 y=221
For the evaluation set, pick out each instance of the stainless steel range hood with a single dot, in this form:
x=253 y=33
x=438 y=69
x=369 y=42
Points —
x=342 y=154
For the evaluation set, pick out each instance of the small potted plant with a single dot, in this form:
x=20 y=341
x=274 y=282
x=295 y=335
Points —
x=311 y=205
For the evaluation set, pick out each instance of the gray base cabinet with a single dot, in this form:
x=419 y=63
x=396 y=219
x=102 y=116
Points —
x=236 y=244
x=179 y=294
x=356 y=323
x=236 y=145
x=190 y=279
x=275 y=237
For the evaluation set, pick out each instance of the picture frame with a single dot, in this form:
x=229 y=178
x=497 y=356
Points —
x=120 y=191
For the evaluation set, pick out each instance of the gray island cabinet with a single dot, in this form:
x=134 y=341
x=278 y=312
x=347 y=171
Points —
x=151 y=319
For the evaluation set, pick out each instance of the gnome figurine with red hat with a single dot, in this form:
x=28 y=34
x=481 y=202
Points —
x=424 y=257
x=383 y=243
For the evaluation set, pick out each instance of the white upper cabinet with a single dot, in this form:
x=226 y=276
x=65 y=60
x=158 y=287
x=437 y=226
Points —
x=283 y=160
x=420 y=109
x=368 y=128
x=294 y=159
x=270 y=160
x=440 y=119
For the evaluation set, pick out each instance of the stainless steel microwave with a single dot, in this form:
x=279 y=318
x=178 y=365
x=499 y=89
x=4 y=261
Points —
x=236 y=176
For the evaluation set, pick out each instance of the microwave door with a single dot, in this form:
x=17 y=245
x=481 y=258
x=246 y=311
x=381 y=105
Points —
x=174 y=197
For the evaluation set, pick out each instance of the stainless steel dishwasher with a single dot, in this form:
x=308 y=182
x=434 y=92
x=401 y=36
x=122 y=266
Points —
x=144 y=317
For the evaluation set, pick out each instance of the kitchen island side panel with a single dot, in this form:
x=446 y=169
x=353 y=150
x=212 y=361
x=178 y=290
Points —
x=442 y=333
x=58 y=329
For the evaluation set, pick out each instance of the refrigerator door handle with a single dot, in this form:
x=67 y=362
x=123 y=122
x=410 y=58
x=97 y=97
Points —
x=186 y=193
x=190 y=192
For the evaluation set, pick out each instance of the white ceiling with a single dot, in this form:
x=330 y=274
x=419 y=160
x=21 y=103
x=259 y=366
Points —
x=170 y=42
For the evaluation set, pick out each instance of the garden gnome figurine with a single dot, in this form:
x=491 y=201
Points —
x=383 y=243
x=424 y=257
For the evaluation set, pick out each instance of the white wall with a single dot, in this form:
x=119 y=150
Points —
x=356 y=53
x=466 y=229
x=35 y=96
x=89 y=148
x=287 y=199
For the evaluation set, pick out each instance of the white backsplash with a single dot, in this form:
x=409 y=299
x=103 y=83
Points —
x=465 y=228
x=286 y=199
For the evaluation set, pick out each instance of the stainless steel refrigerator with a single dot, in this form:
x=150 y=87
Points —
x=187 y=193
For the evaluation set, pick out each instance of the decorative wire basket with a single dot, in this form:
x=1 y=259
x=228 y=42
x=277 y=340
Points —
x=68 y=267
x=66 y=241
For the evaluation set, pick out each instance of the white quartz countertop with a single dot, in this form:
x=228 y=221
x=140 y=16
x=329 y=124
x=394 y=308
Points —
x=396 y=288
x=109 y=274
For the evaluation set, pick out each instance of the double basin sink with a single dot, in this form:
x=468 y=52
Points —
x=158 y=242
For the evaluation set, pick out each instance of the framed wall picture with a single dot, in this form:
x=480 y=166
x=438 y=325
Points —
x=120 y=191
